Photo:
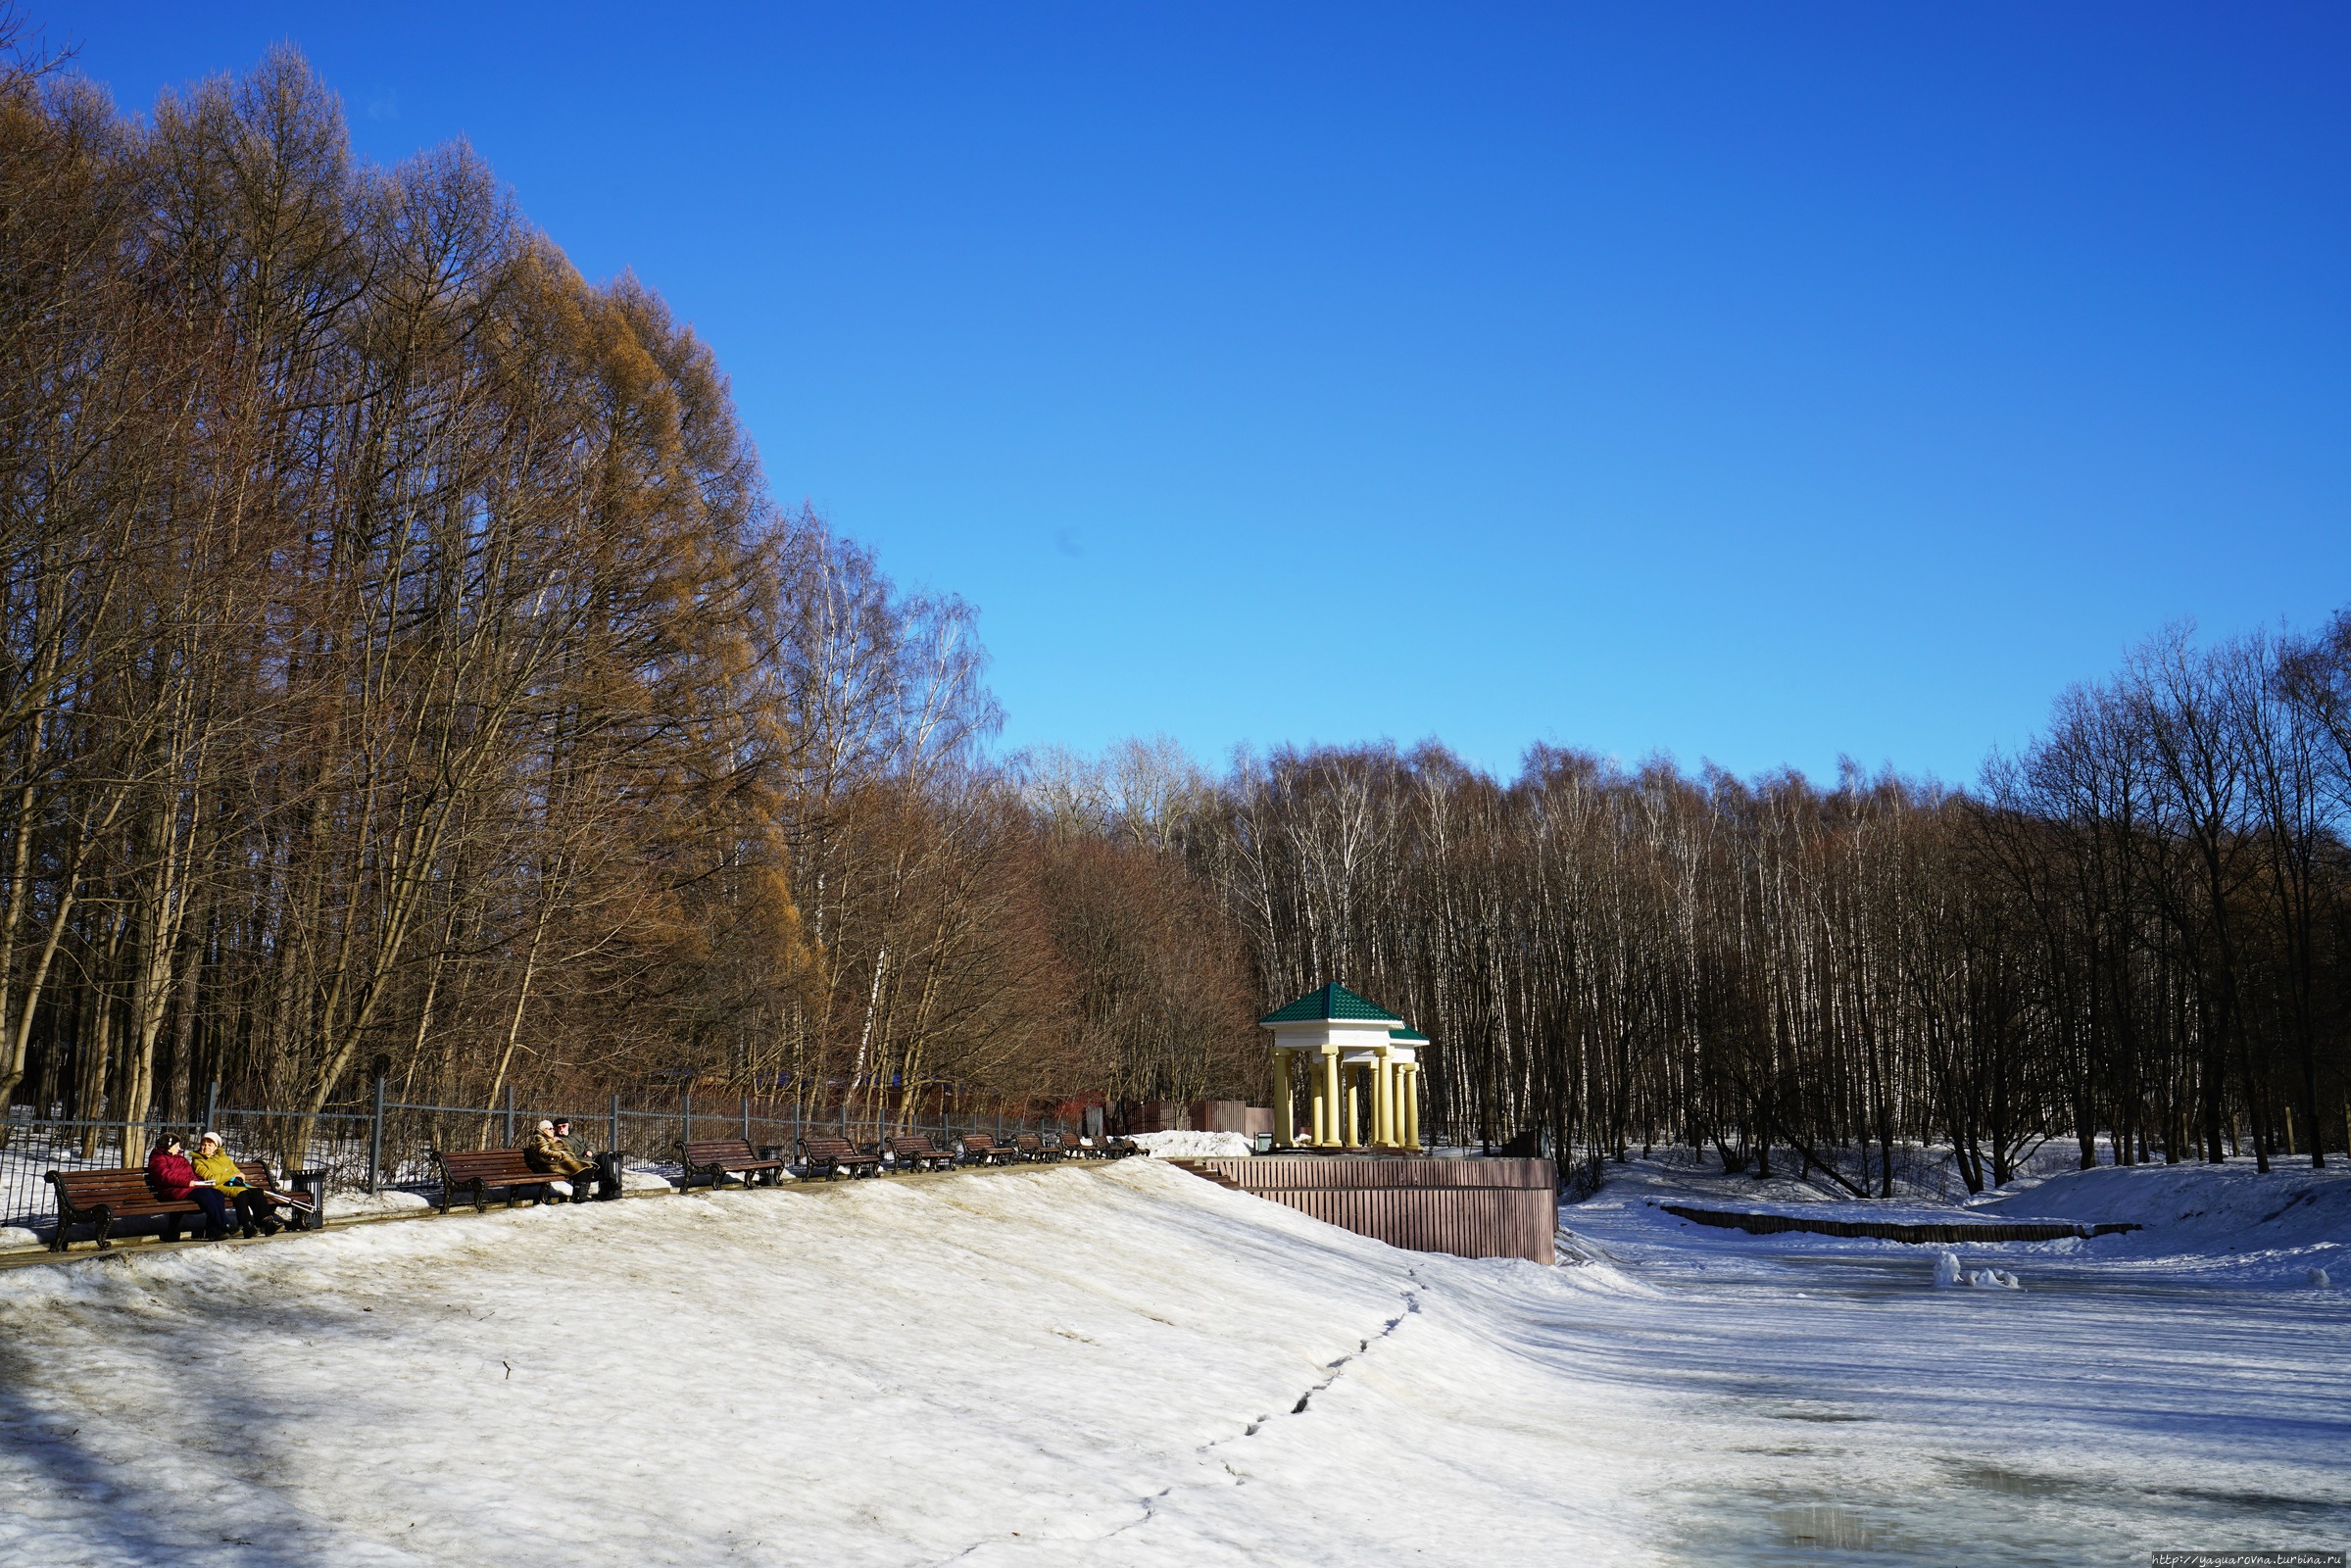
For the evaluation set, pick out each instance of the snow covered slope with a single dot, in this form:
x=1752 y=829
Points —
x=1124 y=1365
x=2203 y=1210
x=992 y=1367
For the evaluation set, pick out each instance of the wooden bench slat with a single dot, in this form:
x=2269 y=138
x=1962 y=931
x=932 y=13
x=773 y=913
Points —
x=718 y=1155
x=102 y=1196
x=836 y=1154
x=484 y=1168
x=918 y=1148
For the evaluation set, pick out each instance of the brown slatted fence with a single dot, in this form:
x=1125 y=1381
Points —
x=1469 y=1208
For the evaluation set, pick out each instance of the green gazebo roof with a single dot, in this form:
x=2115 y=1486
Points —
x=1331 y=1003
x=1407 y=1037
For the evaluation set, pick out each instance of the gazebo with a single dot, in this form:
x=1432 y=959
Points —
x=1362 y=1067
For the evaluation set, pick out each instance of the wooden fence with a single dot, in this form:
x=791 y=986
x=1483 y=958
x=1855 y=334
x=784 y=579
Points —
x=1469 y=1208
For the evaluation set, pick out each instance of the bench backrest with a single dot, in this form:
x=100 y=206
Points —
x=85 y=1189
x=713 y=1150
x=824 y=1147
x=1027 y=1143
x=486 y=1164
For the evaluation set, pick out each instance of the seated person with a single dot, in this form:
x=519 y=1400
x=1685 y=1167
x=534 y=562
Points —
x=173 y=1177
x=254 y=1206
x=594 y=1170
x=548 y=1153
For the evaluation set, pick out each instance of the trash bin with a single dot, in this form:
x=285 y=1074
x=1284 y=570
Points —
x=607 y=1175
x=774 y=1178
x=311 y=1184
x=1261 y=1144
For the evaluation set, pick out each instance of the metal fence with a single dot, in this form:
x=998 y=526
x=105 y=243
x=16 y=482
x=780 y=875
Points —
x=383 y=1143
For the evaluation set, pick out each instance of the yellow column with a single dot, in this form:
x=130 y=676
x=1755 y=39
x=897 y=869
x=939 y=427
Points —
x=1383 y=1134
x=1285 y=1124
x=1327 y=1136
x=1412 y=1105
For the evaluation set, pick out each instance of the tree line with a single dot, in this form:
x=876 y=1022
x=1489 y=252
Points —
x=2135 y=936
x=404 y=671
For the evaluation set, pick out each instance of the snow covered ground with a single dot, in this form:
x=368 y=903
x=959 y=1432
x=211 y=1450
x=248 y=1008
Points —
x=2180 y=1387
x=1192 y=1146
x=1128 y=1365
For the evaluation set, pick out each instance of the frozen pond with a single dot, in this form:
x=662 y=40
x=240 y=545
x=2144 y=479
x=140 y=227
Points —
x=1855 y=1413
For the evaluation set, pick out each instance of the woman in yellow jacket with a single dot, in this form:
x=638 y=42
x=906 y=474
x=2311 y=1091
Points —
x=214 y=1165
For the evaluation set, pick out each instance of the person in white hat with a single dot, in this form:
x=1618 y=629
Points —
x=215 y=1167
x=548 y=1153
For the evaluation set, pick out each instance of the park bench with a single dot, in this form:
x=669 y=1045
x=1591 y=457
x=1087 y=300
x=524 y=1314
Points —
x=105 y=1197
x=1030 y=1146
x=479 y=1170
x=1119 y=1148
x=915 y=1151
x=981 y=1150
x=832 y=1157
x=716 y=1157
x=1065 y=1147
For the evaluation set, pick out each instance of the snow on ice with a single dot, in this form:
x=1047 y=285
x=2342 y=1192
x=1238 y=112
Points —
x=1133 y=1366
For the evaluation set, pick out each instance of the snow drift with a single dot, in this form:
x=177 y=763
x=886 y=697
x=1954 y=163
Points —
x=1182 y=1145
x=1124 y=1361
x=2199 y=1207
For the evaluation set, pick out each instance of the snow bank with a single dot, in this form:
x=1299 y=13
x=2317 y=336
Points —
x=2230 y=1219
x=2200 y=1208
x=1120 y=1363
x=360 y=1203
x=15 y=1237
x=1192 y=1146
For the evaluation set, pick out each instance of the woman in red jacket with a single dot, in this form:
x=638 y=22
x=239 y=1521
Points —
x=172 y=1174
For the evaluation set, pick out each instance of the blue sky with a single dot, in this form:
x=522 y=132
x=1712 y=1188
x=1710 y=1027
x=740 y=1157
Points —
x=1756 y=383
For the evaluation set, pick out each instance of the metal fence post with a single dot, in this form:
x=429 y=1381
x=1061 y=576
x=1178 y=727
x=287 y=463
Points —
x=614 y=1144
x=212 y=1106
x=375 y=1139
x=685 y=1132
x=510 y=1116
x=747 y=1118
